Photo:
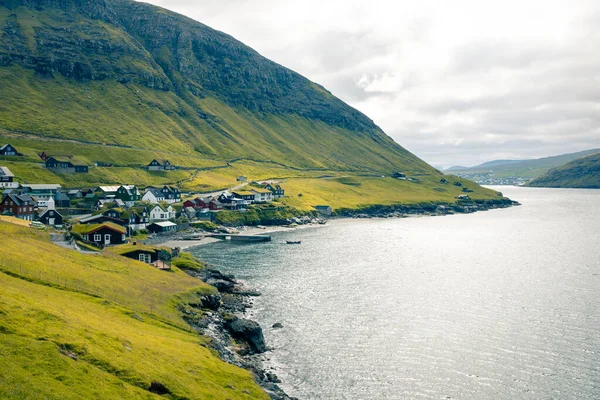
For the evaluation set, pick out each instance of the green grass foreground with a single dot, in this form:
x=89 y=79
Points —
x=76 y=326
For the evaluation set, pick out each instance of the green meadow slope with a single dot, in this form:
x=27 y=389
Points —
x=581 y=173
x=131 y=74
x=79 y=326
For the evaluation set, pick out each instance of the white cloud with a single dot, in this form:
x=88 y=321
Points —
x=458 y=82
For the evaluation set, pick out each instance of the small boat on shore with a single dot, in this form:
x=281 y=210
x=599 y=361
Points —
x=293 y=241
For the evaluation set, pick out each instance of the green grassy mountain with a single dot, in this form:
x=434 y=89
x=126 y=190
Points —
x=527 y=169
x=131 y=74
x=583 y=172
x=123 y=82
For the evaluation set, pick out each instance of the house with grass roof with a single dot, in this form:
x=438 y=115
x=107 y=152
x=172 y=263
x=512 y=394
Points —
x=140 y=252
x=160 y=165
x=101 y=235
x=65 y=166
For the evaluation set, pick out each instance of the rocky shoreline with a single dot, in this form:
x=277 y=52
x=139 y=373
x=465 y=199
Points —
x=426 y=209
x=237 y=340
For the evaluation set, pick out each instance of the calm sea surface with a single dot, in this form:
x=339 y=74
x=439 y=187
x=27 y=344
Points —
x=503 y=304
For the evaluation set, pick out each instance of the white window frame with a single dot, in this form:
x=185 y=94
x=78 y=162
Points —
x=97 y=238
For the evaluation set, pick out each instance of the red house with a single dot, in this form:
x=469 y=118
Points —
x=190 y=203
x=18 y=205
x=215 y=205
x=200 y=203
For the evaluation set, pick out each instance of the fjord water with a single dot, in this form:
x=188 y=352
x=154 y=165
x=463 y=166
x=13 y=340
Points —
x=501 y=304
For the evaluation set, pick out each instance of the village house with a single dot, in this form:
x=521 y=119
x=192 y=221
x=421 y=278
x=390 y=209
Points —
x=194 y=203
x=215 y=205
x=244 y=195
x=65 y=166
x=9 y=150
x=7 y=179
x=276 y=189
x=140 y=252
x=231 y=202
x=190 y=212
x=128 y=194
x=100 y=219
x=18 y=205
x=62 y=200
x=162 y=227
x=172 y=194
x=101 y=235
x=157 y=213
x=153 y=195
x=101 y=203
x=138 y=219
x=160 y=165
x=168 y=194
x=132 y=219
x=199 y=203
x=50 y=216
x=262 y=195
x=75 y=194
x=242 y=179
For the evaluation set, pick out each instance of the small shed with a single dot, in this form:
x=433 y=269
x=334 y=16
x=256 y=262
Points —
x=140 y=252
x=162 y=227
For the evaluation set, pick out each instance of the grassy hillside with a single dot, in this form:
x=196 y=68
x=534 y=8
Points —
x=581 y=173
x=105 y=327
x=130 y=74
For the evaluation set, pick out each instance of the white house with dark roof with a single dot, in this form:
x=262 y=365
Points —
x=157 y=213
x=153 y=195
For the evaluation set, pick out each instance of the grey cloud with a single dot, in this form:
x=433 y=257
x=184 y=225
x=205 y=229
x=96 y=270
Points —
x=531 y=97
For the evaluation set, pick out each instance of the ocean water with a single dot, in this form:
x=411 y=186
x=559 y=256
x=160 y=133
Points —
x=503 y=304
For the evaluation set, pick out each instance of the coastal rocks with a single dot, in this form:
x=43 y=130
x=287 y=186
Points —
x=248 y=331
x=211 y=302
x=237 y=340
x=465 y=206
x=277 y=325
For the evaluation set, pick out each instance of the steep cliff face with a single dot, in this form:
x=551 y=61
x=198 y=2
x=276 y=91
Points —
x=197 y=78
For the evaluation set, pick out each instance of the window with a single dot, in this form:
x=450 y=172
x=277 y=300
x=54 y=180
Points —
x=146 y=258
x=86 y=237
x=97 y=238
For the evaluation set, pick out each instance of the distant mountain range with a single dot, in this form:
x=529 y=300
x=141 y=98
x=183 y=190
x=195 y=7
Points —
x=583 y=172
x=515 y=171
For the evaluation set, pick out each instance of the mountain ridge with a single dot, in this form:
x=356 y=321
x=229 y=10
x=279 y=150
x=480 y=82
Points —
x=187 y=77
x=582 y=173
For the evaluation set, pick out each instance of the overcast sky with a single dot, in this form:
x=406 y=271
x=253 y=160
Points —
x=455 y=82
